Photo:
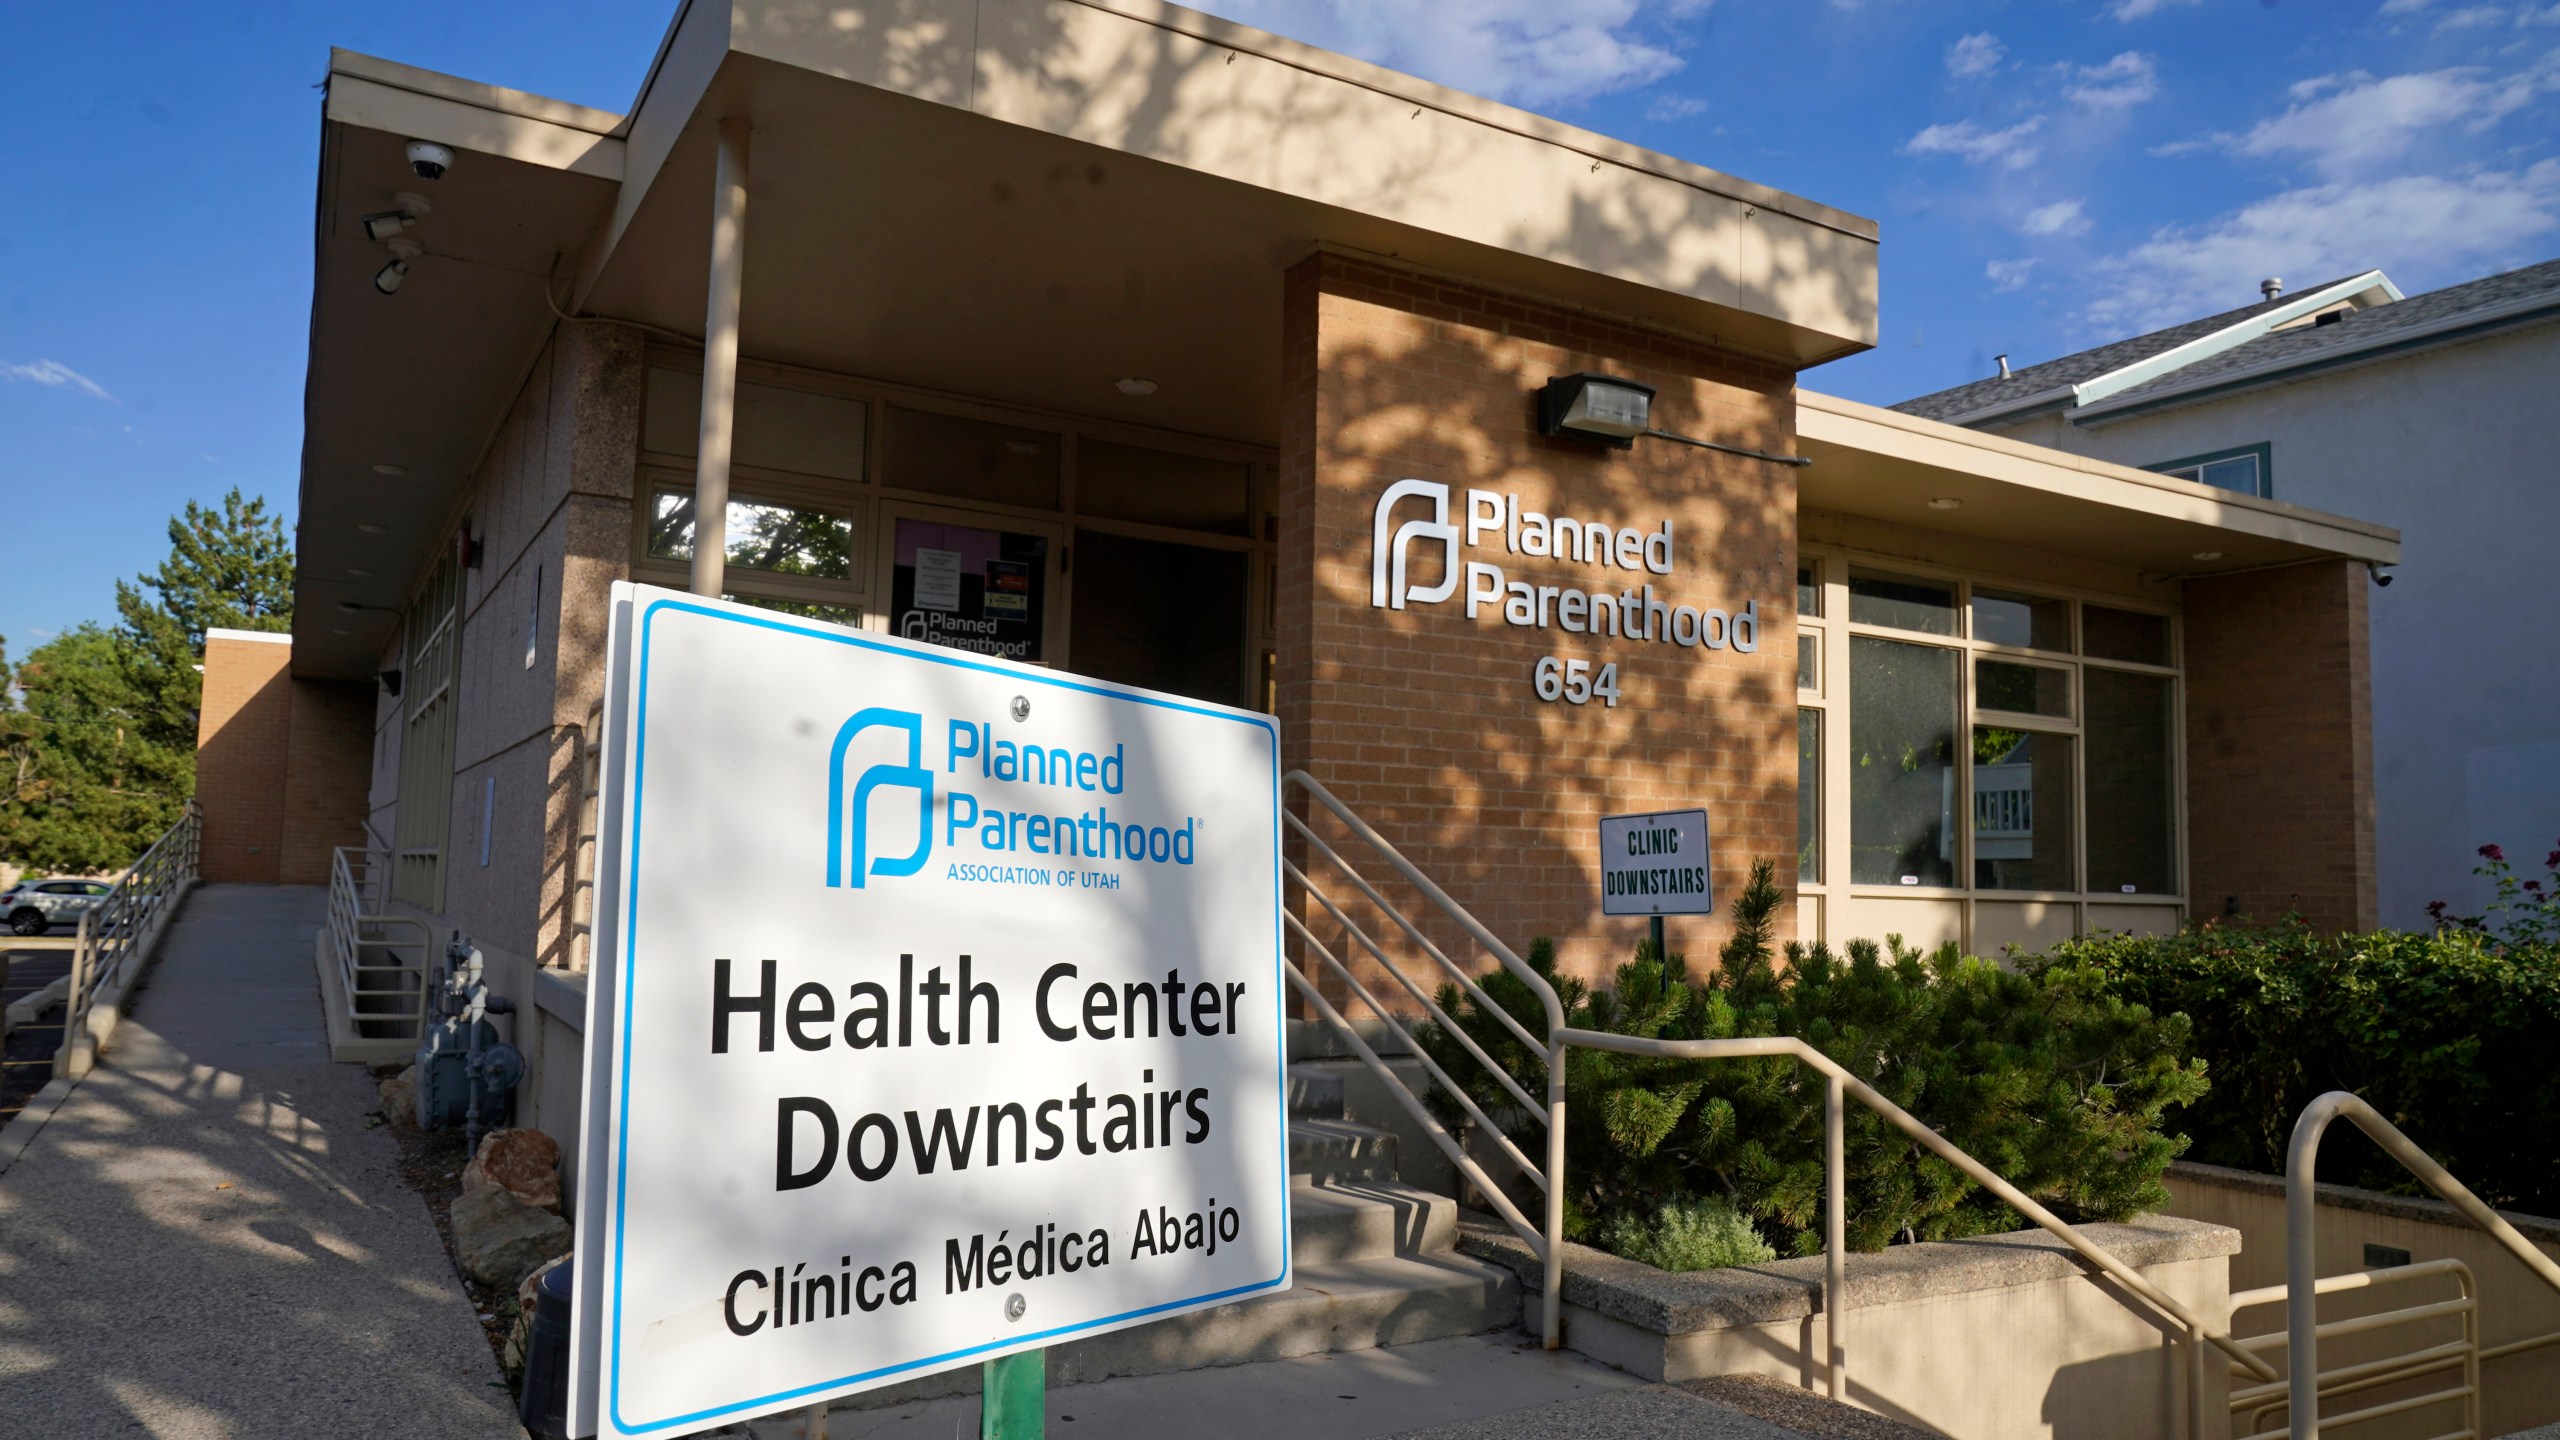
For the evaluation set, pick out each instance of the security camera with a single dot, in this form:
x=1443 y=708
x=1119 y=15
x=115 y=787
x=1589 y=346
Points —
x=2381 y=573
x=429 y=159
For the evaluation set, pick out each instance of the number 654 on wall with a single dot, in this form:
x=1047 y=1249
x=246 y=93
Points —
x=1573 y=682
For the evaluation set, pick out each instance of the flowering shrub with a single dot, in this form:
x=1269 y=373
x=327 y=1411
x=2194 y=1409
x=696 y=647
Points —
x=2527 y=912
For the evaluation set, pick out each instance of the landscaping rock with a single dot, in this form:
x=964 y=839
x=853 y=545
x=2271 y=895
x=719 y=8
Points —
x=498 y=1239
x=400 y=1097
x=520 y=1334
x=524 y=1161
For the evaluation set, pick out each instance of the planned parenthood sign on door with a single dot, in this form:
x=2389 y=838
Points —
x=935 y=1014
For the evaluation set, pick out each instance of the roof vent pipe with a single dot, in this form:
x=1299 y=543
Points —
x=2271 y=287
x=2004 y=367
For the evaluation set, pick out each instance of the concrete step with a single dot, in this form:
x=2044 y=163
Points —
x=1315 y=1090
x=1334 y=1305
x=1327 y=1150
x=1364 y=1219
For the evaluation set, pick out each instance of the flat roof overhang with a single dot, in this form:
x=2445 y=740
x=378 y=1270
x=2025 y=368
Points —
x=1021 y=200
x=1877 y=464
x=421 y=379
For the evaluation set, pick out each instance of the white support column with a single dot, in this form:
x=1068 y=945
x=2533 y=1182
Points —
x=720 y=360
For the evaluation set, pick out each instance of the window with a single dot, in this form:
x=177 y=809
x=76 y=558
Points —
x=2132 y=806
x=421 y=825
x=2245 y=471
x=2001 y=743
x=1809 y=797
x=1900 y=603
x=1902 y=741
x=2021 y=810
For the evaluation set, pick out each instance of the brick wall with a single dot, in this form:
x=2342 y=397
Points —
x=326 y=777
x=1425 y=722
x=2279 y=745
x=244 y=736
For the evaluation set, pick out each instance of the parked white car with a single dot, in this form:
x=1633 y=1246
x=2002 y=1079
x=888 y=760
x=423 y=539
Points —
x=32 y=905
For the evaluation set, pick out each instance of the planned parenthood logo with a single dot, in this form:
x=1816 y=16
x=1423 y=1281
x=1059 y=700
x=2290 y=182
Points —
x=849 y=861
x=1390 y=556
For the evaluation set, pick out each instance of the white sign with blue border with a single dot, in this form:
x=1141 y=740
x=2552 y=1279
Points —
x=935 y=1014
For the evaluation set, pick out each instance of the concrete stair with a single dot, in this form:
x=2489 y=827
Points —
x=1375 y=1264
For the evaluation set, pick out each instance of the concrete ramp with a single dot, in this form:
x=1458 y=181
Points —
x=209 y=1238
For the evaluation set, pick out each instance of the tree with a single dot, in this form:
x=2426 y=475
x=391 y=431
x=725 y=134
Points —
x=99 y=748
x=229 y=569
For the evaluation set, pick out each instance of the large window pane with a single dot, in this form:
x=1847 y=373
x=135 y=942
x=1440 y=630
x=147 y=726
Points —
x=2021 y=810
x=1902 y=742
x=2132 y=635
x=1809 y=796
x=777 y=428
x=1158 y=487
x=776 y=539
x=2031 y=621
x=1168 y=617
x=2132 y=802
x=2021 y=689
x=849 y=616
x=1903 y=603
x=970 y=459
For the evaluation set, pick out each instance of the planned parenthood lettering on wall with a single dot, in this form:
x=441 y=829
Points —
x=939 y=1014
x=1429 y=548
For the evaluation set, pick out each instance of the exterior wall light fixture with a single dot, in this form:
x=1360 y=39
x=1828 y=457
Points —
x=1608 y=410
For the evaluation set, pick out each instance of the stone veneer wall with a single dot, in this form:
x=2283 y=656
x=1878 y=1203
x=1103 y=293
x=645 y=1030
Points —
x=1425 y=723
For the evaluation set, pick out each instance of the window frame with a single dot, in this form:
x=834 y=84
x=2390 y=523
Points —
x=1831 y=566
x=2263 y=452
x=867 y=500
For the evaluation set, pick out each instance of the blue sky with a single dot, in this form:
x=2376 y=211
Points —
x=2049 y=174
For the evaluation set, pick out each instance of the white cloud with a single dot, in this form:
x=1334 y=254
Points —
x=2123 y=82
x=2547 y=15
x=2346 y=124
x=2062 y=217
x=2422 y=227
x=2404 y=7
x=2138 y=9
x=1975 y=55
x=2470 y=17
x=1528 y=52
x=2008 y=274
x=55 y=374
x=1675 y=107
x=2011 y=148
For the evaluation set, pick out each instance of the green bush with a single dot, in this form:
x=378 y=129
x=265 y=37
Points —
x=1687 y=1235
x=2445 y=1034
x=2050 y=1080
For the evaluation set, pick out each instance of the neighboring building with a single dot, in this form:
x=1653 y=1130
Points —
x=2429 y=413
x=1216 y=359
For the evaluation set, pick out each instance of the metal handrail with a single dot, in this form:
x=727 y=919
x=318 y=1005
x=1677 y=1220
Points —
x=2301 y=1215
x=119 y=928
x=1547 y=1241
x=1843 y=1084
x=2260 y=1401
x=356 y=927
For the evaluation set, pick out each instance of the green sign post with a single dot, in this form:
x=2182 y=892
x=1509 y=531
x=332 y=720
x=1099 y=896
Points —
x=1016 y=1397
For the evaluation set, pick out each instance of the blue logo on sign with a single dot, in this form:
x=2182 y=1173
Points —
x=855 y=816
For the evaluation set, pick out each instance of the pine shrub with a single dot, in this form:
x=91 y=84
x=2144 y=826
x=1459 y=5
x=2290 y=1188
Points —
x=2056 y=1083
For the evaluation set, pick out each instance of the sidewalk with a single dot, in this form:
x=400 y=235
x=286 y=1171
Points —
x=207 y=1242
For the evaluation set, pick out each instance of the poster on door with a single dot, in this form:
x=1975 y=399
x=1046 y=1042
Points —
x=969 y=588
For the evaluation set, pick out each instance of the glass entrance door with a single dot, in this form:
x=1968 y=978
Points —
x=982 y=583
